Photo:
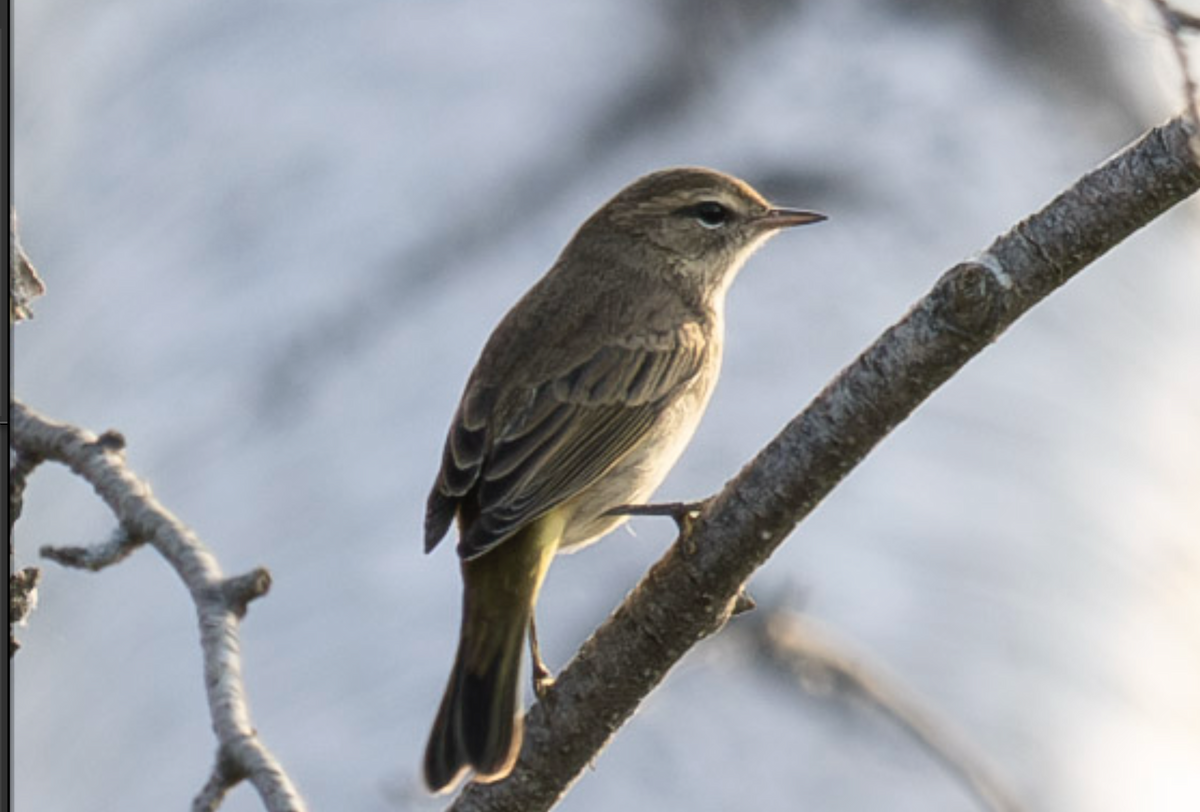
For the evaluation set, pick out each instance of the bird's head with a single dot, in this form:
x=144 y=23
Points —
x=696 y=223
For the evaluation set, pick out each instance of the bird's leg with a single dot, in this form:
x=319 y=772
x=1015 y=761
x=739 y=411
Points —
x=543 y=677
x=683 y=513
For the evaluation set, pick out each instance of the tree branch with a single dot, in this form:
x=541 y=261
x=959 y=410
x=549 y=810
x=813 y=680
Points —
x=22 y=584
x=22 y=597
x=689 y=593
x=220 y=601
x=1177 y=23
x=810 y=653
x=96 y=556
x=24 y=284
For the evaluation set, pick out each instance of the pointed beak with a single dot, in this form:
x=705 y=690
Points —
x=786 y=218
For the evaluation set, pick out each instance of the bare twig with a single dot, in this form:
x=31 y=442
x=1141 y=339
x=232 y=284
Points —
x=689 y=593
x=22 y=597
x=810 y=653
x=23 y=465
x=219 y=601
x=240 y=590
x=1177 y=23
x=1176 y=19
x=22 y=585
x=24 y=284
x=95 y=557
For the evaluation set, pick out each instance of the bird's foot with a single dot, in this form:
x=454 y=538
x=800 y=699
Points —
x=543 y=677
x=543 y=680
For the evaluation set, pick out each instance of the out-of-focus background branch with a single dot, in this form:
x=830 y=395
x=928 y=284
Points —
x=819 y=662
x=323 y=208
x=1179 y=26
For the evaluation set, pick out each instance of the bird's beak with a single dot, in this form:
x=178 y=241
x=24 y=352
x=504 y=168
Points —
x=786 y=218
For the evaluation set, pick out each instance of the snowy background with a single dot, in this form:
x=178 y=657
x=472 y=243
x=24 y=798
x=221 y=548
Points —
x=276 y=235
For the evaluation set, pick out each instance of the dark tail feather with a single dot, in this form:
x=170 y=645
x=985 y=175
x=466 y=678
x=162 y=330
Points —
x=478 y=725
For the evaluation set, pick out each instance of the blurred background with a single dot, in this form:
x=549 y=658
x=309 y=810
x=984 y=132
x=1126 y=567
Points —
x=276 y=234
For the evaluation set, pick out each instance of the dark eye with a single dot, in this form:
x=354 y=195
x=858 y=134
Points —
x=710 y=214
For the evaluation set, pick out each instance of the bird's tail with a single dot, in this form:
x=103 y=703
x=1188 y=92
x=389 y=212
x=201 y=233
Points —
x=478 y=725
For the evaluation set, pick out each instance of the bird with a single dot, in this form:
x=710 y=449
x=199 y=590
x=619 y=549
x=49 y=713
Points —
x=582 y=400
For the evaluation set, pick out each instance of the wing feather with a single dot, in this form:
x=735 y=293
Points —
x=509 y=459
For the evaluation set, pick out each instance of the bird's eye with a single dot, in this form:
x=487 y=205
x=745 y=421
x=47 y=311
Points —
x=710 y=214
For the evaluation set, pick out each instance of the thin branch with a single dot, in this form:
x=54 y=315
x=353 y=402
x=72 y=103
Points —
x=1177 y=22
x=240 y=590
x=24 y=284
x=226 y=774
x=18 y=475
x=94 y=557
x=22 y=597
x=219 y=601
x=22 y=585
x=689 y=593
x=1176 y=19
x=810 y=653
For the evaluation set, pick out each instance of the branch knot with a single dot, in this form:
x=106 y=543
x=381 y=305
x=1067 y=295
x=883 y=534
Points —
x=970 y=300
x=238 y=591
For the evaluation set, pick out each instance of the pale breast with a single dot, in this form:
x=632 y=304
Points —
x=632 y=480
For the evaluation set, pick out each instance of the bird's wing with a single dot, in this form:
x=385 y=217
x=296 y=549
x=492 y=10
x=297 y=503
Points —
x=509 y=460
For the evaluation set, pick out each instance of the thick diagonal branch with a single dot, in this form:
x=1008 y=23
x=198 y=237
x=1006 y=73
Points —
x=688 y=594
